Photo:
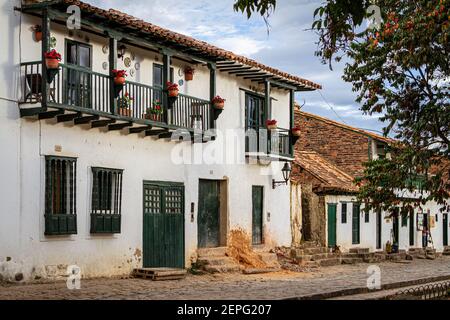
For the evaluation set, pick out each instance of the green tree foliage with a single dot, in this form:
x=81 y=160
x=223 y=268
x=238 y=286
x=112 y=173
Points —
x=400 y=70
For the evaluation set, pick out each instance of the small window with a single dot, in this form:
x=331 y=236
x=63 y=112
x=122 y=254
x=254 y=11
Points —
x=106 y=200
x=60 y=196
x=344 y=213
x=381 y=151
x=366 y=216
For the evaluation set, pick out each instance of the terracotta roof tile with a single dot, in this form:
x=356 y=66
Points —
x=344 y=126
x=204 y=47
x=332 y=178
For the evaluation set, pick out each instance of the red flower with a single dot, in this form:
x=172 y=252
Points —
x=271 y=122
x=119 y=73
x=218 y=99
x=52 y=55
x=171 y=86
x=158 y=107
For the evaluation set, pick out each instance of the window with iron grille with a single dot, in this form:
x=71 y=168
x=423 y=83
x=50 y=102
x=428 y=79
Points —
x=60 y=195
x=106 y=200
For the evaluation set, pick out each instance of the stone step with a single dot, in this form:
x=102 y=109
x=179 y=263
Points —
x=351 y=260
x=215 y=261
x=359 y=250
x=329 y=262
x=259 y=270
x=304 y=258
x=311 y=264
x=212 y=252
x=321 y=256
x=316 y=250
x=270 y=259
x=222 y=268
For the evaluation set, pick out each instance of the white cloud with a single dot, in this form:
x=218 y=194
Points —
x=242 y=45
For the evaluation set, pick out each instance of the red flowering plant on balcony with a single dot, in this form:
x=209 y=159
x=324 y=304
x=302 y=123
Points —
x=271 y=124
x=52 y=59
x=218 y=102
x=172 y=89
x=119 y=76
x=154 y=113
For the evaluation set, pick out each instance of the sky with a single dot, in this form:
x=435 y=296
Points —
x=288 y=46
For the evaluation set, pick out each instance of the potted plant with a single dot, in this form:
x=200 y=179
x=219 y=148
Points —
x=218 y=102
x=172 y=89
x=271 y=124
x=189 y=73
x=119 y=77
x=124 y=104
x=154 y=113
x=52 y=59
x=296 y=131
x=37 y=29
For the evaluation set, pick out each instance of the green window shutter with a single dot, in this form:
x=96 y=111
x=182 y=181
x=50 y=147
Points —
x=344 y=213
x=356 y=223
x=366 y=216
x=60 y=195
x=404 y=219
x=106 y=200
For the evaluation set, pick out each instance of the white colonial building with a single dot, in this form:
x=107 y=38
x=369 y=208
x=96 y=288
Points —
x=91 y=174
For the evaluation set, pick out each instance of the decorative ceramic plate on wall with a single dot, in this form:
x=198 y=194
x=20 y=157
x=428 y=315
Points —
x=127 y=62
x=105 y=49
x=132 y=72
x=105 y=65
x=137 y=65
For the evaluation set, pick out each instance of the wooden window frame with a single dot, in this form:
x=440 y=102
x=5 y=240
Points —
x=60 y=195
x=343 y=213
x=106 y=202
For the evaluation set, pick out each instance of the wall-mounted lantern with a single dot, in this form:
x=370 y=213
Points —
x=286 y=171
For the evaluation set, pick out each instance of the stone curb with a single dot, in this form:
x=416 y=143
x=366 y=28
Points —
x=353 y=291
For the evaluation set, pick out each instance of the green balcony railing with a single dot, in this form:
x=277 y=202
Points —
x=83 y=90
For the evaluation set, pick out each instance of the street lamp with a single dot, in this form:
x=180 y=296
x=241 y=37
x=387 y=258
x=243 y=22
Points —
x=286 y=171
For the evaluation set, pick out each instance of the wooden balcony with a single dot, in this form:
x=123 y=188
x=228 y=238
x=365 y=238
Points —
x=76 y=91
x=270 y=144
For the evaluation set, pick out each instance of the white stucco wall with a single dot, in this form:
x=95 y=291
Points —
x=27 y=142
x=368 y=230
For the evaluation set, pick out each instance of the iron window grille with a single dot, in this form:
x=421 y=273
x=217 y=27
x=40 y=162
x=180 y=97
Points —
x=106 y=200
x=60 y=195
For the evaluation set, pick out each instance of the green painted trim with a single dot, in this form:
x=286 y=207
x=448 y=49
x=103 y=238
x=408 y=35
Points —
x=163 y=183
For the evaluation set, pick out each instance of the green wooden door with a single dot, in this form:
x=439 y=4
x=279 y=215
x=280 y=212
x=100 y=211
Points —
x=163 y=234
x=208 y=214
x=257 y=214
x=445 y=229
x=331 y=222
x=356 y=224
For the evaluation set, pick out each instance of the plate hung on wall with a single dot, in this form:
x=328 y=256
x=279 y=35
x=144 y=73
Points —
x=105 y=65
x=180 y=72
x=180 y=82
x=105 y=49
x=132 y=72
x=127 y=62
x=132 y=56
x=137 y=65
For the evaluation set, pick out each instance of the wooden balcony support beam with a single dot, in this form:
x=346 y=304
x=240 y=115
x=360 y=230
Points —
x=102 y=123
x=86 y=119
x=139 y=129
x=165 y=135
x=150 y=133
x=68 y=117
x=119 y=126
x=50 y=114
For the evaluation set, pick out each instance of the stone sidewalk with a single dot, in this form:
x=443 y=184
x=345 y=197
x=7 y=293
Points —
x=278 y=285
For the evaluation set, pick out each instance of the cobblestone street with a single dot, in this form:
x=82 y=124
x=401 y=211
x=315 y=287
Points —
x=233 y=286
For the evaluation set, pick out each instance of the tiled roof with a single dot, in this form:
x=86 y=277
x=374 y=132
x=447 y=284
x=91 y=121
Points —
x=167 y=35
x=331 y=178
x=344 y=126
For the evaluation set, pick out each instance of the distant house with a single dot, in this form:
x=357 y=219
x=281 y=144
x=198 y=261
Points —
x=92 y=170
x=328 y=156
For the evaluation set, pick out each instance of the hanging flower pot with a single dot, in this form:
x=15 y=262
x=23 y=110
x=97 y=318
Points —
x=296 y=131
x=52 y=59
x=172 y=89
x=189 y=74
x=37 y=29
x=218 y=102
x=271 y=124
x=119 y=77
